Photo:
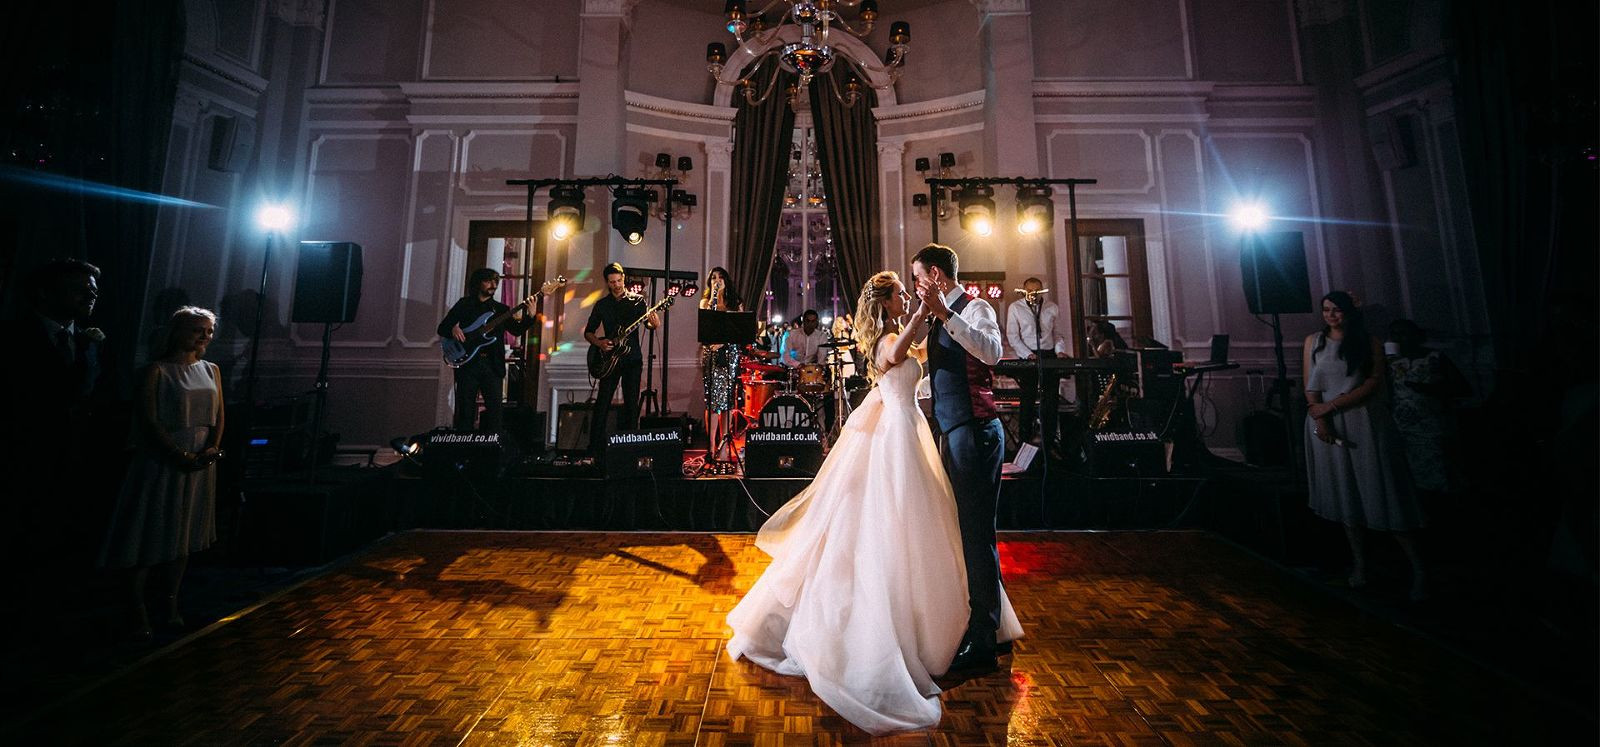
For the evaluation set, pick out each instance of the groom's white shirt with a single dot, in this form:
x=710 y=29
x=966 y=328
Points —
x=975 y=328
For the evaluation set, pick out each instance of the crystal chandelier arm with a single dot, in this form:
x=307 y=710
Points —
x=772 y=83
x=765 y=38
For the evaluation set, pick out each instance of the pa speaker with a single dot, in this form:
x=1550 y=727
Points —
x=639 y=453
x=1125 y=453
x=466 y=453
x=572 y=427
x=232 y=139
x=327 y=282
x=782 y=452
x=1274 y=268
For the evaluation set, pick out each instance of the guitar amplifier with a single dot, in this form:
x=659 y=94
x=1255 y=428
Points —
x=782 y=452
x=1126 y=453
x=467 y=453
x=656 y=452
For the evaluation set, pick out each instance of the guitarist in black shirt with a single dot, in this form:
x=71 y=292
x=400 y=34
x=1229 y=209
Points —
x=484 y=373
x=615 y=311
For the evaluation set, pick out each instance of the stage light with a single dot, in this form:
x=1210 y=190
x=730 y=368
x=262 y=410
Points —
x=994 y=291
x=972 y=289
x=825 y=320
x=1249 y=216
x=672 y=288
x=976 y=202
x=777 y=319
x=630 y=211
x=275 y=218
x=690 y=289
x=1035 y=212
x=636 y=287
x=566 y=212
x=406 y=446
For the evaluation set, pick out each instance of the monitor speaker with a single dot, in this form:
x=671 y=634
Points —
x=1274 y=268
x=657 y=452
x=327 y=282
x=572 y=427
x=782 y=452
x=466 y=453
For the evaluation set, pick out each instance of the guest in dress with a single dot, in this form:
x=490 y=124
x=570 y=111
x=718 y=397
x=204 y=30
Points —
x=167 y=508
x=1424 y=385
x=1355 y=464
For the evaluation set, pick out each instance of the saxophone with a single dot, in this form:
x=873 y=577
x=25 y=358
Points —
x=714 y=298
x=1101 y=414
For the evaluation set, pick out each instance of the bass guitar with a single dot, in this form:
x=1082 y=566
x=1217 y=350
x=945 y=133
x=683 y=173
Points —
x=486 y=329
x=603 y=363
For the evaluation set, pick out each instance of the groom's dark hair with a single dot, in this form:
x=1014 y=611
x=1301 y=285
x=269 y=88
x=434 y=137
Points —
x=940 y=256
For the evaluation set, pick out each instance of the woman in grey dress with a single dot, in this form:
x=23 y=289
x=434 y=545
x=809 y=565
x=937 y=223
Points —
x=1355 y=464
x=167 y=508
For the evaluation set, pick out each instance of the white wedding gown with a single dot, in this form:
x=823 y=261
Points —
x=866 y=595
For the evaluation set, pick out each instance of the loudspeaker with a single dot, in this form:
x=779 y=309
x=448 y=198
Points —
x=1274 y=268
x=636 y=453
x=468 y=453
x=232 y=139
x=1392 y=143
x=327 y=282
x=782 y=452
x=1125 y=453
x=572 y=427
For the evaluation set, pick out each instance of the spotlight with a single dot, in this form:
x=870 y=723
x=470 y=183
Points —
x=406 y=446
x=1035 y=213
x=275 y=218
x=690 y=289
x=826 y=320
x=972 y=289
x=636 y=287
x=994 y=291
x=976 y=202
x=630 y=210
x=777 y=319
x=566 y=212
x=1249 y=216
x=673 y=288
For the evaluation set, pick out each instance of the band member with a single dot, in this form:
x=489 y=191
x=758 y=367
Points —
x=1032 y=333
x=614 y=311
x=484 y=375
x=802 y=345
x=720 y=365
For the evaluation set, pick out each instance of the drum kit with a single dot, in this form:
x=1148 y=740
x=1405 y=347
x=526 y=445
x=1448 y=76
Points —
x=782 y=397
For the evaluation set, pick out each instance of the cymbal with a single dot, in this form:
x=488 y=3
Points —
x=844 y=342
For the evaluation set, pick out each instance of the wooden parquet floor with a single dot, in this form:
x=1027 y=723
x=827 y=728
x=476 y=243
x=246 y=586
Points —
x=489 y=638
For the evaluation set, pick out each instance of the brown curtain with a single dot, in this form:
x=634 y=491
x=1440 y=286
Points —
x=762 y=136
x=847 y=151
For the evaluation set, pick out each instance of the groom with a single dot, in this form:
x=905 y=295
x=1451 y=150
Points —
x=963 y=346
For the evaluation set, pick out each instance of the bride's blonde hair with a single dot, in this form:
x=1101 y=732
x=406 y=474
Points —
x=872 y=317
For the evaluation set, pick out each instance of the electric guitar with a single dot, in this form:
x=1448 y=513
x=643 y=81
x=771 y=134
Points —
x=603 y=363
x=486 y=329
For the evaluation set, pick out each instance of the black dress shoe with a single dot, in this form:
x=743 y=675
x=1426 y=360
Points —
x=1002 y=648
x=971 y=658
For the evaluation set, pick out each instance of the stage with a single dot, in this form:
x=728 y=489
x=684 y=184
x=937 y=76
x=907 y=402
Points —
x=470 y=637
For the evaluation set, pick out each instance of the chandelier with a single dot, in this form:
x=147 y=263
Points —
x=811 y=55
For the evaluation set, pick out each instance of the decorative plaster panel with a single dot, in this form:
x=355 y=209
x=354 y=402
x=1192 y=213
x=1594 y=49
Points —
x=1108 y=155
x=490 y=157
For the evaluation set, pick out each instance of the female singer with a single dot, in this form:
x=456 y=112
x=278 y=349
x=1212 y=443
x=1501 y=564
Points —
x=720 y=364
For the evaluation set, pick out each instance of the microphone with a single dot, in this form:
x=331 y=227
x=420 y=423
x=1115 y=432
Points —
x=1026 y=292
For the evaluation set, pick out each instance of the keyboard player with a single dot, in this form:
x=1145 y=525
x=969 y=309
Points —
x=1033 y=335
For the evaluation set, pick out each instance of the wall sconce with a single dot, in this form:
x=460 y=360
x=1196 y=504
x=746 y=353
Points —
x=683 y=202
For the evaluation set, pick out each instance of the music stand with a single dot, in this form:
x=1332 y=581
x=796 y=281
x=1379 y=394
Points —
x=725 y=328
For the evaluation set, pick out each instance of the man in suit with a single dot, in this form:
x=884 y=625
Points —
x=964 y=343
x=51 y=387
x=485 y=373
x=1031 y=331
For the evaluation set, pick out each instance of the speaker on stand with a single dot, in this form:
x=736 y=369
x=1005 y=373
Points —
x=327 y=290
x=1276 y=282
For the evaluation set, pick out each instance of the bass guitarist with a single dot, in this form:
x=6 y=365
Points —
x=617 y=310
x=485 y=373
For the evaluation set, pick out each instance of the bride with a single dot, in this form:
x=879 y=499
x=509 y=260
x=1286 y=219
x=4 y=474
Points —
x=866 y=595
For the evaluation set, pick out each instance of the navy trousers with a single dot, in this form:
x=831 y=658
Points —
x=972 y=454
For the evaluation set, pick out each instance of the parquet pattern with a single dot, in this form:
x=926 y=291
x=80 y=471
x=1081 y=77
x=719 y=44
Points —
x=482 y=638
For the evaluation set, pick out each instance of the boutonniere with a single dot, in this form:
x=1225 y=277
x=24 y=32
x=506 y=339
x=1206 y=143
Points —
x=95 y=334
